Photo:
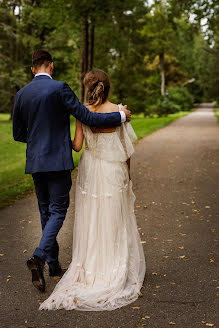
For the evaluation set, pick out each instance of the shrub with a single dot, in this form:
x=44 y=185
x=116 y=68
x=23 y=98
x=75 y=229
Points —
x=163 y=107
x=181 y=97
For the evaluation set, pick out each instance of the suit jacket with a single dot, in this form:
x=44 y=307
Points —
x=42 y=119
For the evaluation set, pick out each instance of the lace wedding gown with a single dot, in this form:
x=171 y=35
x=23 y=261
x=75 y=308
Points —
x=108 y=264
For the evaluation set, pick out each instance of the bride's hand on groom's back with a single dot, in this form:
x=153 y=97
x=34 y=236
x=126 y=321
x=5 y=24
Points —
x=127 y=113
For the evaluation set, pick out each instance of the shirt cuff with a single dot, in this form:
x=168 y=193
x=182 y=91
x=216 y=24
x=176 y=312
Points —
x=123 y=116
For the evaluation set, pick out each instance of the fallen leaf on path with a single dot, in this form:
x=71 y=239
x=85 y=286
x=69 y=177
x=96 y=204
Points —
x=203 y=321
x=169 y=240
x=2 y=254
x=182 y=234
x=143 y=242
x=207 y=206
x=210 y=324
x=212 y=260
x=172 y=283
x=140 y=294
x=213 y=229
x=137 y=206
x=154 y=273
x=217 y=294
x=182 y=256
x=145 y=317
x=181 y=247
x=136 y=308
x=166 y=256
x=25 y=251
x=157 y=286
x=155 y=238
x=172 y=323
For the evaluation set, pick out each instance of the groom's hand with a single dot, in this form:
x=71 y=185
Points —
x=128 y=113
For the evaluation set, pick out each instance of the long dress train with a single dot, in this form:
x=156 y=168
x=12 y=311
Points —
x=108 y=264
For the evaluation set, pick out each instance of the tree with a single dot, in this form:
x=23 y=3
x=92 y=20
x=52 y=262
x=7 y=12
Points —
x=161 y=36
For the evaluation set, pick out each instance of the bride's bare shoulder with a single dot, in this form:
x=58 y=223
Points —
x=107 y=107
x=112 y=107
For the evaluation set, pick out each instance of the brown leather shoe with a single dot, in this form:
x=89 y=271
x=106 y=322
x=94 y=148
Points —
x=36 y=266
x=57 y=272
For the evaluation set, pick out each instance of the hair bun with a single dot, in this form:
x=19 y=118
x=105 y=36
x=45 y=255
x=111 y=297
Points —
x=98 y=89
x=98 y=85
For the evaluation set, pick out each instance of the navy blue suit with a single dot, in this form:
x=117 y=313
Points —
x=42 y=120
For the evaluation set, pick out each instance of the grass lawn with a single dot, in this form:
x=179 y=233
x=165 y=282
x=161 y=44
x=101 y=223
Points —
x=216 y=112
x=15 y=184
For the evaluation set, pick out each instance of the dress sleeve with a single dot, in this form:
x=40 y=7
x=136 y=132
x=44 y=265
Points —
x=127 y=136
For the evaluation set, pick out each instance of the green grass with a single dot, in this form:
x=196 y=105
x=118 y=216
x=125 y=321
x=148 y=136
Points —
x=15 y=184
x=216 y=112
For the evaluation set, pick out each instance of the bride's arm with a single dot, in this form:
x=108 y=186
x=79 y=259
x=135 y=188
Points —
x=77 y=143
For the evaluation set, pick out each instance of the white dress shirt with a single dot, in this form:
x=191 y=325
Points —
x=123 y=116
x=38 y=74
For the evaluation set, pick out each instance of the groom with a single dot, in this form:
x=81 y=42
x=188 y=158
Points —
x=42 y=120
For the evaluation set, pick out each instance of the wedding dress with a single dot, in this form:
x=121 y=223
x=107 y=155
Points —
x=108 y=264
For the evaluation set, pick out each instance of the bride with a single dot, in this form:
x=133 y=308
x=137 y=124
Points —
x=108 y=264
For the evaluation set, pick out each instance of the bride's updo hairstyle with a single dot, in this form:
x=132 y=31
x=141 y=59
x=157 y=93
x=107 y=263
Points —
x=98 y=85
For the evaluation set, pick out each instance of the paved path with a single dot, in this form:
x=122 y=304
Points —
x=175 y=174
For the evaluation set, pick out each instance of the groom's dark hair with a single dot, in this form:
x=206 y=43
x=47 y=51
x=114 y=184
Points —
x=41 y=57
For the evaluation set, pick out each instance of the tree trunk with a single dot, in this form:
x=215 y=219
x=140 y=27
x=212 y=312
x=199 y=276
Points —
x=162 y=73
x=84 y=55
x=91 y=48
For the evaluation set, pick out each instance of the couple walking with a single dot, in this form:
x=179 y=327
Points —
x=108 y=264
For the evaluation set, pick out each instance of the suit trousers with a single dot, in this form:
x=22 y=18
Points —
x=52 y=190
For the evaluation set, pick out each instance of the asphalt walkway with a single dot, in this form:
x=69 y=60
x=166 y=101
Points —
x=175 y=172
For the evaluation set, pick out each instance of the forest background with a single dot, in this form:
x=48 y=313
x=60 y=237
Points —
x=154 y=51
x=162 y=57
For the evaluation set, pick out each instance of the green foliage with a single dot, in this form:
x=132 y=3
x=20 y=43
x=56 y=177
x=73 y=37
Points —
x=129 y=37
x=181 y=97
x=178 y=99
x=163 y=107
